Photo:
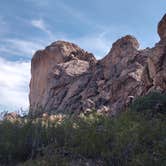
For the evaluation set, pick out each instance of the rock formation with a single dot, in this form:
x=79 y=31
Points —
x=12 y=116
x=67 y=79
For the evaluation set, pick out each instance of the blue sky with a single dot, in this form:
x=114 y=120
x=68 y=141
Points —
x=28 y=25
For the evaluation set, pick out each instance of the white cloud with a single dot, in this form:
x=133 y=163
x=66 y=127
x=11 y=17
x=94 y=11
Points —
x=19 y=47
x=14 y=80
x=15 y=76
x=64 y=6
x=40 y=24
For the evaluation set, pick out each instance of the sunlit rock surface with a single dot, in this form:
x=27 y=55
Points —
x=67 y=79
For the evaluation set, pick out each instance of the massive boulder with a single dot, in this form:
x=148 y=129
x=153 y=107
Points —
x=55 y=72
x=123 y=68
x=67 y=79
x=154 y=75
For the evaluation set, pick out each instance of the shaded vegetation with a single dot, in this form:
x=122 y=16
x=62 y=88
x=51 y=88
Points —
x=154 y=101
x=136 y=137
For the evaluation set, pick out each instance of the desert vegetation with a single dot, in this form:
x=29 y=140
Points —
x=135 y=137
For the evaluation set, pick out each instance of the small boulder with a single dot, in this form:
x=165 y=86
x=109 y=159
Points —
x=12 y=116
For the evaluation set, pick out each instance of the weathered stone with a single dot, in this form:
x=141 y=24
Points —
x=67 y=79
x=162 y=27
x=123 y=52
x=54 y=71
x=155 y=72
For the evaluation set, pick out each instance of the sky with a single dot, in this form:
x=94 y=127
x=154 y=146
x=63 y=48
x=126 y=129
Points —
x=29 y=25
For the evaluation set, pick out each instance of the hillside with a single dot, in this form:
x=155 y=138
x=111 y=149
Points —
x=67 y=79
x=135 y=137
x=89 y=112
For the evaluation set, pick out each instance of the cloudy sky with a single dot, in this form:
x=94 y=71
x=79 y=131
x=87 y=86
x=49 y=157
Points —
x=28 y=25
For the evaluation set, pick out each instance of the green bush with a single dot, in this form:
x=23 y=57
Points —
x=130 y=139
x=154 y=101
x=126 y=140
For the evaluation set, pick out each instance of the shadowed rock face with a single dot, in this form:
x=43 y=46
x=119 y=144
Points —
x=162 y=27
x=67 y=79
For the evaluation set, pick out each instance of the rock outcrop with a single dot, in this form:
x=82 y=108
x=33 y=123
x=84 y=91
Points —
x=162 y=28
x=12 y=116
x=55 y=72
x=67 y=79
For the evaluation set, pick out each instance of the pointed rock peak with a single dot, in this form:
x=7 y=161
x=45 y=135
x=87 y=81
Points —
x=162 y=28
x=124 y=47
x=126 y=41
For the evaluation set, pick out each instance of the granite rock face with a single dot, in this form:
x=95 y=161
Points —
x=55 y=72
x=67 y=79
x=162 y=28
x=154 y=76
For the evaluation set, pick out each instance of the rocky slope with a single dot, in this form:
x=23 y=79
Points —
x=67 y=79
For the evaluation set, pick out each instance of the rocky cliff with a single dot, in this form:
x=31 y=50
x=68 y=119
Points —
x=67 y=79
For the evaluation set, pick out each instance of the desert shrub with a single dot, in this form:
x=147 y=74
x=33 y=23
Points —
x=153 y=102
x=125 y=140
